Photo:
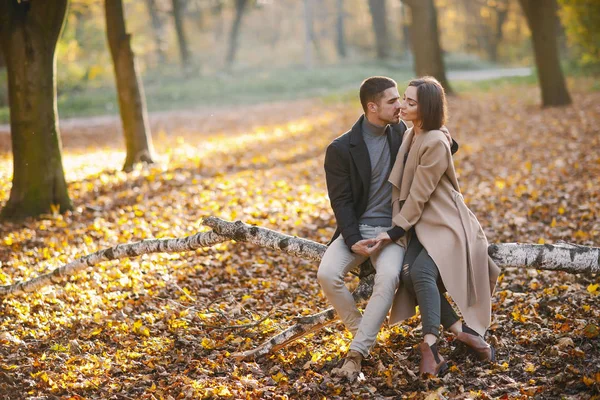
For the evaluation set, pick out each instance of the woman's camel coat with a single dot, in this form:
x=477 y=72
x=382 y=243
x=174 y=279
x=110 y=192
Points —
x=426 y=196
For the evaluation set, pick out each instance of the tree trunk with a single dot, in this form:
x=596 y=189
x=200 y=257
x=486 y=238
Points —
x=541 y=18
x=340 y=36
x=158 y=31
x=501 y=16
x=184 y=52
x=425 y=41
x=240 y=7
x=379 y=15
x=3 y=89
x=132 y=103
x=405 y=27
x=29 y=32
x=308 y=53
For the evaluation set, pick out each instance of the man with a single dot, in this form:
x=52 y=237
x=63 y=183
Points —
x=357 y=166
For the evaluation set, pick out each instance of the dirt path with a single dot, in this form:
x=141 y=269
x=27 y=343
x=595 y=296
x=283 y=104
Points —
x=106 y=130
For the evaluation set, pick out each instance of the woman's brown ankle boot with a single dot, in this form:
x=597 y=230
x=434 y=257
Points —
x=432 y=363
x=476 y=345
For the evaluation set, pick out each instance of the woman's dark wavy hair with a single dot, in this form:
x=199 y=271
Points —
x=432 y=108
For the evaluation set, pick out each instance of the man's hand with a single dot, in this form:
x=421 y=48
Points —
x=366 y=247
x=447 y=133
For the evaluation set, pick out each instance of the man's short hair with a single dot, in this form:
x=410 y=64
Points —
x=371 y=89
x=432 y=108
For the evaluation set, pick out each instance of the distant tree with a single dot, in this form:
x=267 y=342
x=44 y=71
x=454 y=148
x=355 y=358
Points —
x=425 y=41
x=308 y=33
x=542 y=20
x=132 y=102
x=240 y=8
x=485 y=22
x=405 y=30
x=379 y=16
x=3 y=92
x=581 y=19
x=340 y=36
x=158 y=30
x=29 y=31
x=184 y=52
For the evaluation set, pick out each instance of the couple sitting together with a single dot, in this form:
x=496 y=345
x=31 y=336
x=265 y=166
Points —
x=397 y=202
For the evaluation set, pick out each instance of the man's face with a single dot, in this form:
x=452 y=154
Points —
x=388 y=109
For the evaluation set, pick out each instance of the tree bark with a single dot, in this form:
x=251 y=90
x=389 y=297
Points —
x=184 y=52
x=29 y=32
x=379 y=15
x=234 y=34
x=132 y=102
x=542 y=19
x=425 y=41
x=340 y=36
x=158 y=30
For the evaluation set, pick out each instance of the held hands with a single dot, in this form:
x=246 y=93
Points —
x=366 y=247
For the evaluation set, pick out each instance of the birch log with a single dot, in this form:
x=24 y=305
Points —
x=558 y=257
x=203 y=239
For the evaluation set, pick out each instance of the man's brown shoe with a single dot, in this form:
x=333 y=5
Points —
x=351 y=367
x=476 y=344
x=432 y=363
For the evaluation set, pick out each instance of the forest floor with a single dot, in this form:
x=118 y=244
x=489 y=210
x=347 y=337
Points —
x=164 y=326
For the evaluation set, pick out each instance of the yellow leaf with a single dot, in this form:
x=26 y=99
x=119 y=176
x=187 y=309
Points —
x=529 y=367
x=593 y=289
x=561 y=210
x=553 y=223
x=588 y=381
x=541 y=241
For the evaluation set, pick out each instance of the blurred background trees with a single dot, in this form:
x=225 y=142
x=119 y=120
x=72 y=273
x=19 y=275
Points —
x=222 y=52
x=190 y=38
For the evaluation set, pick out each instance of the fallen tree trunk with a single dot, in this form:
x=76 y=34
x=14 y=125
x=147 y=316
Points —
x=571 y=258
x=204 y=239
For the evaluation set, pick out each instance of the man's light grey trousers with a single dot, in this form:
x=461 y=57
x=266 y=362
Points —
x=337 y=261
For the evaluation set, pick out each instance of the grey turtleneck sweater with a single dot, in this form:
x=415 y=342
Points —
x=379 y=207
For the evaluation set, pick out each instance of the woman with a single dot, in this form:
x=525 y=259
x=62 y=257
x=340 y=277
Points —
x=448 y=249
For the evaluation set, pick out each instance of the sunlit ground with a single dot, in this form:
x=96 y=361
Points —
x=143 y=328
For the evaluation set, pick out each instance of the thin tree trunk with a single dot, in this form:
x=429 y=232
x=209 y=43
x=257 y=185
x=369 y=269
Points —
x=405 y=27
x=541 y=18
x=132 y=102
x=498 y=35
x=184 y=51
x=425 y=41
x=3 y=90
x=308 y=34
x=340 y=36
x=379 y=15
x=158 y=30
x=29 y=32
x=240 y=7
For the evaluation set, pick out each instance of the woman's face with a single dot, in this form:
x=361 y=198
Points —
x=409 y=106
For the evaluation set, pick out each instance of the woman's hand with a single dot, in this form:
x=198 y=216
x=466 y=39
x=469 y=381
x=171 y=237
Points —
x=383 y=238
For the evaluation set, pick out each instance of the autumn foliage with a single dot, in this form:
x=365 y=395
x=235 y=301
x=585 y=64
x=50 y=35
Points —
x=164 y=326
